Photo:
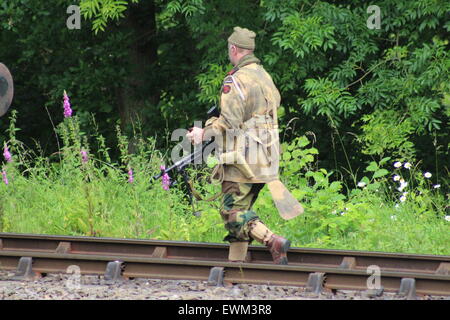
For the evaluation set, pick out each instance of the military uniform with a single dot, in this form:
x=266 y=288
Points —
x=248 y=149
x=248 y=124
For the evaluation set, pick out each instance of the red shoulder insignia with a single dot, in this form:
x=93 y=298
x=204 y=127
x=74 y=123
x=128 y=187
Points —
x=226 y=89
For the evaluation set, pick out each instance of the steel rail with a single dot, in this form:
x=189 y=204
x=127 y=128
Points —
x=194 y=261
x=213 y=251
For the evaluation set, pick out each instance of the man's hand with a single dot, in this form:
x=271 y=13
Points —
x=195 y=135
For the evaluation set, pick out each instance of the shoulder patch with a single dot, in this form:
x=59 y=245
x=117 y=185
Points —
x=226 y=89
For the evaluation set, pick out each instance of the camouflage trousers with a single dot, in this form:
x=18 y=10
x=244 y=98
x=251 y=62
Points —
x=237 y=200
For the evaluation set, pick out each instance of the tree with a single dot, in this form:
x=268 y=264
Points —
x=376 y=92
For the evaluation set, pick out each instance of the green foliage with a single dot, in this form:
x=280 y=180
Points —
x=188 y=8
x=330 y=100
x=385 y=93
x=328 y=64
x=386 y=131
x=331 y=69
x=295 y=156
x=303 y=35
x=76 y=197
x=101 y=11
x=376 y=214
x=210 y=83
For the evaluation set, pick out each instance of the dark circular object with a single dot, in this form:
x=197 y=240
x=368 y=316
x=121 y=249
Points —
x=6 y=89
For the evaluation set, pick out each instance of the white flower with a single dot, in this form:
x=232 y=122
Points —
x=427 y=175
x=437 y=186
x=361 y=184
x=407 y=165
x=405 y=193
x=402 y=198
x=402 y=186
x=396 y=177
x=393 y=217
x=402 y=181
x=398 y=164
x=447 y=218
x=396 y=205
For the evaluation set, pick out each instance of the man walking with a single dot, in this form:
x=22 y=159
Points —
x=248 y=147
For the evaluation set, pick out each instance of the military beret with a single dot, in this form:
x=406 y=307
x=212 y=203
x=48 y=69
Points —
x=243 y=38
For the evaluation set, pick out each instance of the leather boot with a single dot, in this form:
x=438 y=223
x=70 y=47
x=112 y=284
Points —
x=278 y=247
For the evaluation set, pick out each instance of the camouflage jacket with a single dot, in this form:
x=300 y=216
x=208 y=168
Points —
x=247 y=129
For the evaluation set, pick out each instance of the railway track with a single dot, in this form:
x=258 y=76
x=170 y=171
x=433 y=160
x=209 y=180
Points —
x=317 y=269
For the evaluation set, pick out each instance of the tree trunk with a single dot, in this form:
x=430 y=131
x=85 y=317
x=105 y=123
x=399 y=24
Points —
x=138 y=93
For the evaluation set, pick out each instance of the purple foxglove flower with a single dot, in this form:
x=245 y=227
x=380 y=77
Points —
x=130 y=176
x=6 y=154
x=5 y=179
x=165 y=179
x=67 y=109
x=84 y=156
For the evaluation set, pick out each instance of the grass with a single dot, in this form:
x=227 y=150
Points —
x=69 y=197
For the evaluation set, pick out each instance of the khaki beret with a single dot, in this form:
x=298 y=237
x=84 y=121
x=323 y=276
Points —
x=243 y=38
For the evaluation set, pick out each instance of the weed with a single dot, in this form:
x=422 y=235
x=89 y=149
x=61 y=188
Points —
x=391 y=207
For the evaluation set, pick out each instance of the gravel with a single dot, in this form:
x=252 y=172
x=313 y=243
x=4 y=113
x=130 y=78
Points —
x=73 y=287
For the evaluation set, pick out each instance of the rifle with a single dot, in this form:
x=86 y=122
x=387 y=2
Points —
x=180 y=166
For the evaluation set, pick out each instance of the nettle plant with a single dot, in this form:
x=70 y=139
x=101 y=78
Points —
x=309 y=184
x=374 y=179
x=328 y=212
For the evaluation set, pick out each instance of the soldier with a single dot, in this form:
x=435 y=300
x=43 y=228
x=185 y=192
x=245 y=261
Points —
x=248 y=147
